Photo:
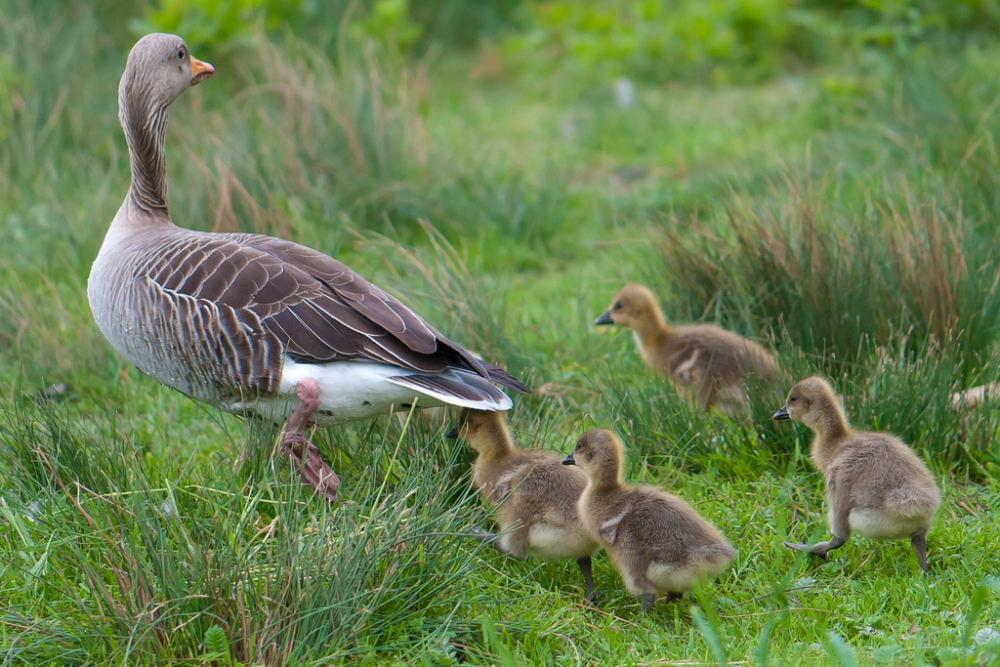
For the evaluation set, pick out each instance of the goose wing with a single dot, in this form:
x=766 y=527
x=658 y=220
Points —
x=317 y=308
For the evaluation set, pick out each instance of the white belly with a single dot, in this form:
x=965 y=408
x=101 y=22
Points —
x=348 y=391
x=550 y=542
x=670 y=578
x=882 y=525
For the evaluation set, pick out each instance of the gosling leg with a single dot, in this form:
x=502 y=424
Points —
x=839 y=526
x=306 y=456
x=919 y=542
x=648 y=599
x=588 y=579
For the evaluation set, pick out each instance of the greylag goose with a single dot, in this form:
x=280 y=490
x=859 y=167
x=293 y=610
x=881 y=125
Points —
x=876 y=486
x=252 y=324
x=706 y=364
x=658 y=542
x=534 y=496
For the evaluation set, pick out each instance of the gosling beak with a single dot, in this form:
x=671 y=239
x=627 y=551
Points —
x=604 y=319
x=780 y=415
x=200 y=70
x=569 y=460
x=452 y=434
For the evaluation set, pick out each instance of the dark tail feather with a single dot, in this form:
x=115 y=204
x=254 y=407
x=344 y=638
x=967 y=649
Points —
x=462 y=387
x=502 y=377
x=484 y=368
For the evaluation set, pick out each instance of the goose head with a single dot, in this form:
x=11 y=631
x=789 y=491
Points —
x=810 y=401
x=632 y=307
x=598 y=453
x=159 y=68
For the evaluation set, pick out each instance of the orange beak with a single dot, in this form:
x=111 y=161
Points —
x=200 y=70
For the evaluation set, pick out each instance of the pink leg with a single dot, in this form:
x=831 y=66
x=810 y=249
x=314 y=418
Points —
x=314 y=470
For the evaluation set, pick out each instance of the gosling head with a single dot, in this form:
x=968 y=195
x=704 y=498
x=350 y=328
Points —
x=598 y=452
x=159 y=68
x=632 y=305
x=809 y=401
x=479 y=428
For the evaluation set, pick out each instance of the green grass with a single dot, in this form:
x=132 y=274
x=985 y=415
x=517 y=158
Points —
x=846 y=217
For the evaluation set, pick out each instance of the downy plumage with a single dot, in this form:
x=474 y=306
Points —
x=658 y=542
x=876 y=486
x=535 y=496
x=708 y=365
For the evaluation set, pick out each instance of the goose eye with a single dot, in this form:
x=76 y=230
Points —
x=180 y=54
x=618 y=305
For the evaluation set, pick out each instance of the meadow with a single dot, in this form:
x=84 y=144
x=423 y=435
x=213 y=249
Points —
x=842 y=211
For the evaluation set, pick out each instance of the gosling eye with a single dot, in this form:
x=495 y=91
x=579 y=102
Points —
x=792 y=399
x=618 y=305
x=578 y=447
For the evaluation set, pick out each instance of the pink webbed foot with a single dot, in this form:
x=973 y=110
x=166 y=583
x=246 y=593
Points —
x=314 y=470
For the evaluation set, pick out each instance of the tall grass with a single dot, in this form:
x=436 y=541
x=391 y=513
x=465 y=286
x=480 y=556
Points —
x=347 y=144
x=884 y=227
x=831 y=278
x=119 y=560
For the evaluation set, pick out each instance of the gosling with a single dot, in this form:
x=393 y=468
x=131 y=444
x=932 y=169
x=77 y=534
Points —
x=875 y=485
x=658 y=542
x=707 y=365
x=535 y=496
x=976 y=396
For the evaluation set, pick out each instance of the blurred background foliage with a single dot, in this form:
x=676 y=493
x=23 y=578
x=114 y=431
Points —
x=650 y=40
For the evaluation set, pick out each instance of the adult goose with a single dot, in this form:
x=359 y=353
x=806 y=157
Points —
x=253 y=324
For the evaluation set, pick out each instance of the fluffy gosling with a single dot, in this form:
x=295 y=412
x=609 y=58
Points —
x=875 y=485
x=658 y=542
x=707 y=364
x=535 y=496
x=974 y=397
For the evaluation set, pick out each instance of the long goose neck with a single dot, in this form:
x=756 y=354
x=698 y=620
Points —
x=494 y=442
x=145 y=125
x=831 y=429
x=652 y=330
x=606 y=477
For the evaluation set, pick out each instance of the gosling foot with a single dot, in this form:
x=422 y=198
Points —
x=820 y=549
x=481 y=534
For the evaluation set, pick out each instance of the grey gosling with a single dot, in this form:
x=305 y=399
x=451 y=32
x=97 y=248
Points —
x=534 y=495
x=658 y=542
x=875 y=485
x=252 y=324
x=974 y=397
x=707 y=365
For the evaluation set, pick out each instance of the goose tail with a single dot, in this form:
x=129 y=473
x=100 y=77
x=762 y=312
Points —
x=502 y=377
x=458 y=387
